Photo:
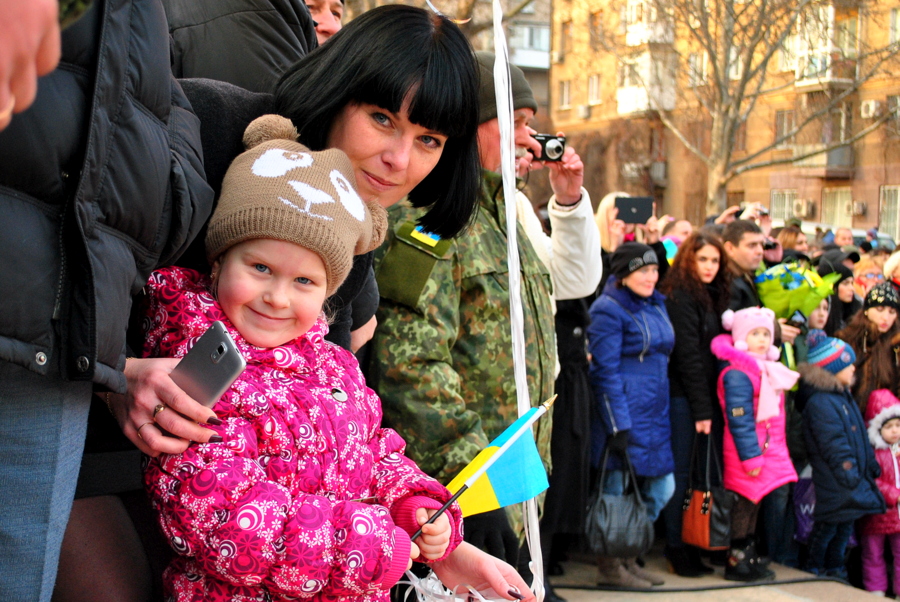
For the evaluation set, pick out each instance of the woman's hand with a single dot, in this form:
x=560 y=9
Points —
x=469 y=566
x=703 y=426
x=616 y=231
x=149 y=387
x=651 y=230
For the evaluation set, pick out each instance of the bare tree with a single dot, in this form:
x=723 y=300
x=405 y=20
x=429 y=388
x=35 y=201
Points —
x=711 y=62
x=472 y=16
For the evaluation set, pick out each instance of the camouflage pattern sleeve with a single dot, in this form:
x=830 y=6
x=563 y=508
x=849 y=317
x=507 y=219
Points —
x=413 y=372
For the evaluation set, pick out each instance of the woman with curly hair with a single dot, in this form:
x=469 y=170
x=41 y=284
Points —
x=697 y=291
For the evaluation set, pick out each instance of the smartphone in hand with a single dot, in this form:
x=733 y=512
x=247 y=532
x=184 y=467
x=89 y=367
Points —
x=634 y=209
x=211 y=365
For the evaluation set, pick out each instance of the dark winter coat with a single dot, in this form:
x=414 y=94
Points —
x=248 y=43
x=101 y=181
x=842 y=459
x=630 y=339
x=692 y=368
x=743 y=289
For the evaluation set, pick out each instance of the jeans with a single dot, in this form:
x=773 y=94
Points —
x=778 y=523
x=656 y=491
x=43 y=420
x=874 y=568
x=827 y=545
x=683 y=434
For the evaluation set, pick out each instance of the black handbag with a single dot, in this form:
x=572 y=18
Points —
x=618 y=525
x=706 y=522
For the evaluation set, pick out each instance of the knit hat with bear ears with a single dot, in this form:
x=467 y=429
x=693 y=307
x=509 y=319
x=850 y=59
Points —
x=281 y=190
x=742 y=322
x=882 y=407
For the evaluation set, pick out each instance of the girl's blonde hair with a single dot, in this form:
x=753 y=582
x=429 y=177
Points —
x=602 y=220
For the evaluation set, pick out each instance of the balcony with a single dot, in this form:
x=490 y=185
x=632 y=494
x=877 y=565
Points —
x=656 y=32
x=635 y=99
x=827 y=70
x=836 y=163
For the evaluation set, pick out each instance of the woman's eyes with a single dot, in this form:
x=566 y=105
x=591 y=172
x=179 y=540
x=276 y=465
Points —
x=261 y=268
x=432 y=142
x=381 y=118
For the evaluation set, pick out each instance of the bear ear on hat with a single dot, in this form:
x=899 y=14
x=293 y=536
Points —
x=269 y=127
x=379 y=229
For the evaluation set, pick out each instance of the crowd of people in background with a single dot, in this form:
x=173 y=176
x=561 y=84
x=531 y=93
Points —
x=342 y=214
x=775 y=397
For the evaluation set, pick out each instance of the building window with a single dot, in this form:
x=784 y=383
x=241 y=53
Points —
x=697 y=66
x=895 y=25
x=893 y=122
x=735 y=66
x=781 y=204
x=787 y=59
x=565 y=38
x=628 y=75
x=530 y=37
x=565 y=98
x=635 y=12
x=596 y=31
x=528 y=9
x=594 y=96
x=740 y=137
x=784 y=129
x=889 y=222
x=836 y=207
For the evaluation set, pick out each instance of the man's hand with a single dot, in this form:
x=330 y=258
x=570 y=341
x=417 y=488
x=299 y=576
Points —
x=29 y=47
x=728 y=216
x=566 y=175
x=788 y=333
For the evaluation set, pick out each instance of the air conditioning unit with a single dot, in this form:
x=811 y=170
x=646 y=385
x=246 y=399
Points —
x=858 y=208
x=804 y=208
x=583 y=111
x=870 y=109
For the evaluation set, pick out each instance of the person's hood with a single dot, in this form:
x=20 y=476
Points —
x=882 y=407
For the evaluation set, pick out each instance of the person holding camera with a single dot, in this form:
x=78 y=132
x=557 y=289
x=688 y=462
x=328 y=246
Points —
x=441 y=356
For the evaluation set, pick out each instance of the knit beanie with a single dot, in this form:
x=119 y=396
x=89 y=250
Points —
x=743 y=321
x=522 y=96
x=882 y=294
x=279 y=189
x=828 y=352
x=630 y=257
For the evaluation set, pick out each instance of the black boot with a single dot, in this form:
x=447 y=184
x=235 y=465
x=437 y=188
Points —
x=743 y=564
x=680 y=561
x=697 y=562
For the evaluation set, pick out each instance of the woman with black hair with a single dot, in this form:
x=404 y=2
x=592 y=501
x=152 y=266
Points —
x=697 y=291
x=844 y=303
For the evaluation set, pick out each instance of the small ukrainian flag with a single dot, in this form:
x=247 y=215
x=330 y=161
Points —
x=514 y=474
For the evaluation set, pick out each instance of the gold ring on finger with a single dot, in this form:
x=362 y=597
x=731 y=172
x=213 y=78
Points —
x=6 y=113
x=159 y=408
x=140 y=427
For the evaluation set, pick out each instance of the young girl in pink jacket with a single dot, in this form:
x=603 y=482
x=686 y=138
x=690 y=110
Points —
x=301 y=494
x=751 y=392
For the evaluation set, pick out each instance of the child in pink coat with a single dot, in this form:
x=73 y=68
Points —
x=883 y=421
x=751 y=392
x=301 y=494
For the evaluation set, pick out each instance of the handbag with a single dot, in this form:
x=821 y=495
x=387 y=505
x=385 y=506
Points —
x=706 y=519
x=618 y=525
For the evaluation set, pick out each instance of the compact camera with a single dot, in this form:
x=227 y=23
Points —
x=552 y=147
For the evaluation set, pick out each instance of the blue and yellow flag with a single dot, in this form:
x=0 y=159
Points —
x=515 y=472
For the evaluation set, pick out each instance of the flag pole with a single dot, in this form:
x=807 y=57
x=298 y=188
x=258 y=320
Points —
x=541 y=410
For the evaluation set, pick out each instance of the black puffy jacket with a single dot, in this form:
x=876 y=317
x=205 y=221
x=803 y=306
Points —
x=248 y=43
x=101 y=181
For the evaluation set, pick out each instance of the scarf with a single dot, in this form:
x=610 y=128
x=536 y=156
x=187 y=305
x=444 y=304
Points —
x=775 y=379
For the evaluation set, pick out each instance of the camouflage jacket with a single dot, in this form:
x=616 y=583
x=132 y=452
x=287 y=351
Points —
x=441 y=356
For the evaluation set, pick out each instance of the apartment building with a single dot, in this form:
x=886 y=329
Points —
x=829 y=76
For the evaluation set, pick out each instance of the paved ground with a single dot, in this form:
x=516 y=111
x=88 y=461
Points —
x=584 y=575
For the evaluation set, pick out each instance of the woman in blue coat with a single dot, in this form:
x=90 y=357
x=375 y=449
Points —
x=630 y=339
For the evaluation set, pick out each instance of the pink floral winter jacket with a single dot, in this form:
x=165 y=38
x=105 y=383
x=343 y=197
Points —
x=306 y=496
